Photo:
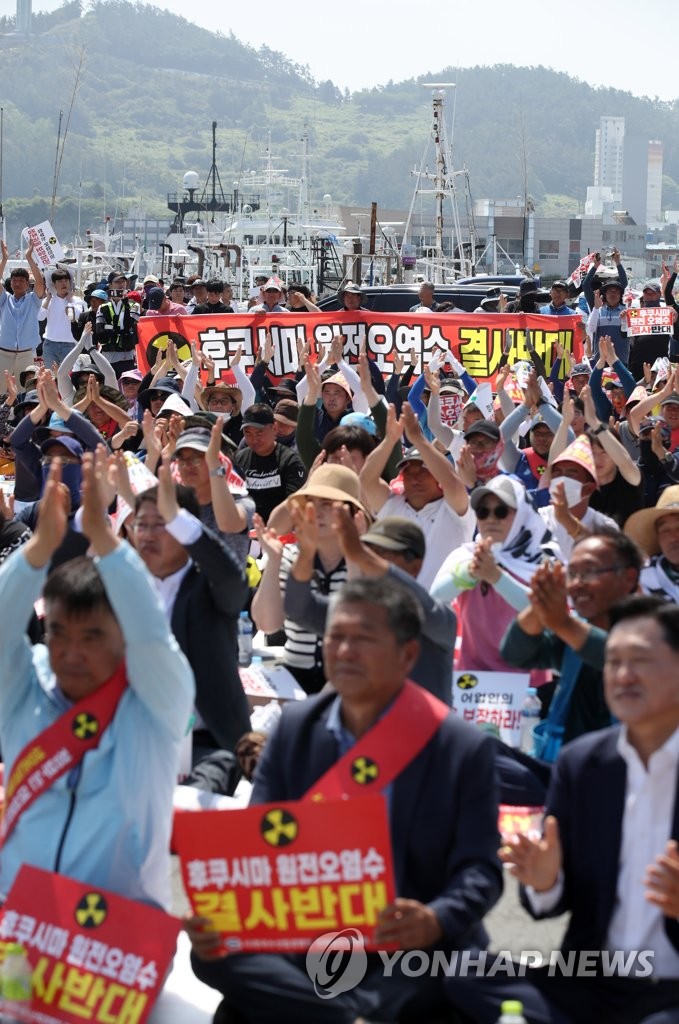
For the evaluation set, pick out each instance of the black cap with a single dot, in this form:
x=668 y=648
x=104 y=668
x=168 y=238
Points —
x=485 y=427
x=258 y=416
x=396 y=533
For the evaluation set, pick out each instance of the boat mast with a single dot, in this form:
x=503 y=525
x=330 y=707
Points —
x=3 y=226
x=443 y=188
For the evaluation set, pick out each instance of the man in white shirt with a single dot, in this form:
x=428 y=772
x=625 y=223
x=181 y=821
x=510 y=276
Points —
x=433 y=495
x=610 y=851
x=60 y=309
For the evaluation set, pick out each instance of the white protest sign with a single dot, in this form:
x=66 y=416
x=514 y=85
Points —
x=46 y=248
x=494 y=698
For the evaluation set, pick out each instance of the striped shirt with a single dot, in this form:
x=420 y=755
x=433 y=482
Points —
x=305 y=650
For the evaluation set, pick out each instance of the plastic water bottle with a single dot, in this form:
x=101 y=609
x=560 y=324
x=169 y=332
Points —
x=512 y=1010
x=530 y=716
x=15 y=984
x=245 y=632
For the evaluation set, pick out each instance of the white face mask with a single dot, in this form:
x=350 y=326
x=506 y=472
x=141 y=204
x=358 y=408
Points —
x=572 y=488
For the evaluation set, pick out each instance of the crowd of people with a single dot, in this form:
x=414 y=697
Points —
x=384 y=534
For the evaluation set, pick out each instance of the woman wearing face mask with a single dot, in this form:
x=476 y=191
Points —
x=481 y=457
x=487 y=578
x=573 y=481
x=620 y=490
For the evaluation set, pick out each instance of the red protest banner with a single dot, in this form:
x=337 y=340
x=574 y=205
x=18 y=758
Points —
x=477 y=339
x=650 y=320
x=72 y=952
x=293 y=870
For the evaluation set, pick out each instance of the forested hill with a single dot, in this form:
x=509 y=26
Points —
x=151 y=84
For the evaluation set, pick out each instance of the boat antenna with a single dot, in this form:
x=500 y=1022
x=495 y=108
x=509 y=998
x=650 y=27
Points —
x=60 y=152
x=56 y=167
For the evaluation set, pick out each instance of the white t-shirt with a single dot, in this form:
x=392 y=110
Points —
x=443 y=529
x=58 y=326
x=591 y=520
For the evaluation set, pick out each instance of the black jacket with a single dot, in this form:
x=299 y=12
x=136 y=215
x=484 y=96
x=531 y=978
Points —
x=204 y=621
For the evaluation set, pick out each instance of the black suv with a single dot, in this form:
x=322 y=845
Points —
x=398 y=298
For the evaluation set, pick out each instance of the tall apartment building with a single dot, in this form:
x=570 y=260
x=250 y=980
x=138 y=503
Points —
x=609 y=155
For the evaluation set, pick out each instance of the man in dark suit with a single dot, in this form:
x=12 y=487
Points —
x=203 y=589
x=442 y=812
x=610 y=849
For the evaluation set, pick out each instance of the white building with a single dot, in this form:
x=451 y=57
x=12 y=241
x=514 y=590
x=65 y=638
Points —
x=608 y=155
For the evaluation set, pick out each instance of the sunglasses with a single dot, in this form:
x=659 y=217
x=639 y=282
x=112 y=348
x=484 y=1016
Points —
x=499 y=512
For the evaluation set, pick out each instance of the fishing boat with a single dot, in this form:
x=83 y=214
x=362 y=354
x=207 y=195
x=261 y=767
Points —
x=266 y=225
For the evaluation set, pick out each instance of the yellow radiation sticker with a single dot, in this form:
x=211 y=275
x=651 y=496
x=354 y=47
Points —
x=364 y=770
x=91 y=910
x=467 y=681
x=85 y=725
x=279 y=827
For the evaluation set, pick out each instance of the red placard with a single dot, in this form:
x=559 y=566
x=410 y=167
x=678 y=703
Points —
x=93 y=955
x=520 y=821
x=477 y=339
x=272 y=878
x=651 y=320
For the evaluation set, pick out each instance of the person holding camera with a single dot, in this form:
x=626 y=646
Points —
x=115 y=327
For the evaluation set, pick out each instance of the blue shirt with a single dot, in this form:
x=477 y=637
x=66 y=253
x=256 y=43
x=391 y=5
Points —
x=19 y=322
x=346 y=739
x=115 y=812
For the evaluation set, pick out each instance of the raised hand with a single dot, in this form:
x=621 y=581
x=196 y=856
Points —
x=535 y=862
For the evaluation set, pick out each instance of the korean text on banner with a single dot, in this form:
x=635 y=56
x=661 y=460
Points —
x=494 y=698
x=293 y=870
x=46 y=248
x=80 y=953
x=476 y=339
x=650 y=320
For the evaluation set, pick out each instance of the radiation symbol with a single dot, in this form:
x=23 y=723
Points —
x=85 y=725
x=364 y=770
x=540 y=470
x=52 y=240
x=467 y=681
x=91 y=911
x=279 y=828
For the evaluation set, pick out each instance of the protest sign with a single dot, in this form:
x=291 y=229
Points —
x=477 y=339
x=492 y=697
x=46 y=248
x=79 y=953
x=520 y=821
x=650 y=320
x=263 y=683
x=273 y=877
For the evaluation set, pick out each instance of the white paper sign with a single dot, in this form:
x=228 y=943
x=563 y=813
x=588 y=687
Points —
x=46 y=248
x=494 y=698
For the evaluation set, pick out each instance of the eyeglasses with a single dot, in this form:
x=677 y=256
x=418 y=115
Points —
x=65 y=460
x=499 y=512
x=189 y=460
x=590 y=575
x=140 y=526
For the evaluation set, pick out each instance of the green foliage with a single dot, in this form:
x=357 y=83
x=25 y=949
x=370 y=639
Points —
x=152 y=83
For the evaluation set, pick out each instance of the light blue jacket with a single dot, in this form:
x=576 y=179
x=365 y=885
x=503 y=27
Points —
x=111 y=814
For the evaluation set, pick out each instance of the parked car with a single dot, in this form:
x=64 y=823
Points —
x=397 y=298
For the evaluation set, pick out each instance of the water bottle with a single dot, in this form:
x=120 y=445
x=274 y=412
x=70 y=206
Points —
x=15 y=984
x=530 y=716
x=511 y=1012
x=245 y=632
